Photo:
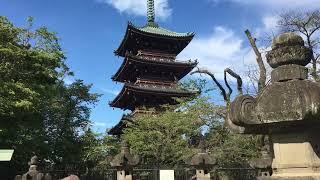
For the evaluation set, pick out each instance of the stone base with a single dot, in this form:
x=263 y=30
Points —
x=296 y=156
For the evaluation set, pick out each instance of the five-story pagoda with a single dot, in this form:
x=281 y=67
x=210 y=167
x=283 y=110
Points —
x=150 y=72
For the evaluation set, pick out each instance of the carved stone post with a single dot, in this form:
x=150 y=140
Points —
x=203 y=163
x=33 y=173
x=288 y=110
x=124 y=162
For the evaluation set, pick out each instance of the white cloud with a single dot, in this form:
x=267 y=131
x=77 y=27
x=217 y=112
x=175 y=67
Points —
x=139 y=7
x=110 y=91
x=268 y=29
x=99 y=124
x=279 y=4
x=222 y=49
x=270 y=22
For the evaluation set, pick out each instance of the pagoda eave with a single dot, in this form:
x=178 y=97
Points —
x=122 y=124
x=132 y=65
x=132 y=96
x=132 y=31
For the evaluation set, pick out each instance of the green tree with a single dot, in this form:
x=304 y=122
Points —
x=65 y=116
x=98 y=150
x=162 y=139
x=39 y=113
x=171 y=138
x=231 y=150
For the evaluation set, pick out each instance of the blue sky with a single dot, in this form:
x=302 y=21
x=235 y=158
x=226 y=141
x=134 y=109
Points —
x=91 y=29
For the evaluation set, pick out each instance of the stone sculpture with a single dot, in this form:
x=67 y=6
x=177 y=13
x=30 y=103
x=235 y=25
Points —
x=33 y=173
x=203 y=163
x=124 y=162
x=287 y=110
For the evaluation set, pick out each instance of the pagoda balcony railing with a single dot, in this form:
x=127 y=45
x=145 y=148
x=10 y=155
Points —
x=152 y=56
x=155 y=84
x=141 y=111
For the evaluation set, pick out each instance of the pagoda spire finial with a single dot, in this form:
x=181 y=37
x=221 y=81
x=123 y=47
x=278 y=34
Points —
x=151 y=13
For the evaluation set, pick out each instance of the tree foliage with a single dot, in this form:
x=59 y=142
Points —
x=39 y=113
x=99 y=150
x=171 y=138
x=162 y=139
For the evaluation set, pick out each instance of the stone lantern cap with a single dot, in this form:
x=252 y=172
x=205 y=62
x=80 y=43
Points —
x=288 y=48
x=287 y=39
x=124 y=159
x=202 y=160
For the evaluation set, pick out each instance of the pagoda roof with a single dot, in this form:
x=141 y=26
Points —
x=127 y=70
x=129 y=42
x=118 y=128
x=135 y=95
x=156 y=30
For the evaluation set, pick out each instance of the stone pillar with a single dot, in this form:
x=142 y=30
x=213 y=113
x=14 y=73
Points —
x=287 y=110
x=296 y=154
x=124 y=163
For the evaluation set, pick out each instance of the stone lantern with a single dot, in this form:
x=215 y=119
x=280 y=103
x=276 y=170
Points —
x=287 y=110
x=264 y=163
x=203 y=163
x=124 y=162
x=33 y=173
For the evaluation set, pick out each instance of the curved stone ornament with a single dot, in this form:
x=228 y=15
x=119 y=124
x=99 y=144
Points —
x=241 y=110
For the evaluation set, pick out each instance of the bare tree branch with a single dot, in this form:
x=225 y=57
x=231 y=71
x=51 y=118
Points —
x=252 y=74
x=227 y=84
x=235 y=75
x=223 y=91
x=317 y=56
x=226 y=96
x=262 y=68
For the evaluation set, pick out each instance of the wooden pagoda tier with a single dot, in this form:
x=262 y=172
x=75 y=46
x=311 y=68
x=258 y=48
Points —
x=148 y=65
x=126 y=120
x=152 y=38
x=123 y=123
x=149 y=94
